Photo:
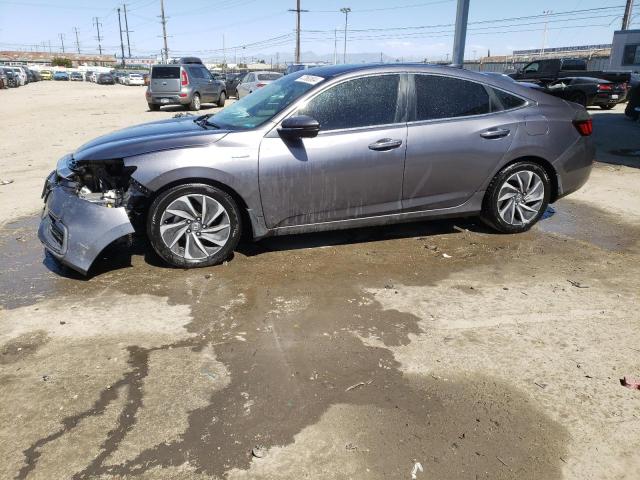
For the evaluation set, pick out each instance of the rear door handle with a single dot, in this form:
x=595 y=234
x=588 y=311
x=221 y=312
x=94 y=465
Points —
x=385 y=144
x=495 y=133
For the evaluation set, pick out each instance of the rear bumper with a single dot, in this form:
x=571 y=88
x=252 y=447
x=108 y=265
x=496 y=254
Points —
x=575 y=165
x=74 y=230
x=168 y=99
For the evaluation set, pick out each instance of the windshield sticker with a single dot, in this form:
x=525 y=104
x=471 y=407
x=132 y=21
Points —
x=310 y=79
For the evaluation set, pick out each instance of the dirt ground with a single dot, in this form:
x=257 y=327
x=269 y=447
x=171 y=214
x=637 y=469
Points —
x=356 y=354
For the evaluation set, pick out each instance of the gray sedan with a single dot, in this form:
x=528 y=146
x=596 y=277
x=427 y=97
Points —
x=326 y=148
x=255 y=80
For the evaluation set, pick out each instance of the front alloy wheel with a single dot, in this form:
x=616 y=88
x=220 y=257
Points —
x=194 y=225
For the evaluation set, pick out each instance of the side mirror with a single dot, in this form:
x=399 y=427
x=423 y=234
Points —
x=300 y=126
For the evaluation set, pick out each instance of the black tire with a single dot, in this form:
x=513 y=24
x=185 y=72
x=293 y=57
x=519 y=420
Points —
x=579 y=98
x=606 y=107
x=154 y=107
x=165 y=198
x=490 y=214
x=221 y=99
x=195 y=104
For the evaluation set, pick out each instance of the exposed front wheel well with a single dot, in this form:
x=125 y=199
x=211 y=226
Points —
x=551 y=172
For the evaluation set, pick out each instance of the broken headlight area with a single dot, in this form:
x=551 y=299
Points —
x=107 y=183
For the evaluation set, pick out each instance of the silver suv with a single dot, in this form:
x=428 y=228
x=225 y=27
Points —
x=186 y=82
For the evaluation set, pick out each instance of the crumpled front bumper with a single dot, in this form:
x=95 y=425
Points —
x=74 y=230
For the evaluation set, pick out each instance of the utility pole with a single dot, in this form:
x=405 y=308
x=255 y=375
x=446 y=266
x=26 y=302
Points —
x=75 y=29
x=121 y=42
x=298 y=11
x=126 y=26
x=164 y=31
x=346 y=11
x=544 y=34
x=626 y=20
x=224 y=55
x=462 y=16
x=97 y=24
x=335 y=46
x=50 y=51
x=61 y=35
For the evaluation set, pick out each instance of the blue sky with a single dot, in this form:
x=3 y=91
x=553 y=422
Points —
x=265 y=27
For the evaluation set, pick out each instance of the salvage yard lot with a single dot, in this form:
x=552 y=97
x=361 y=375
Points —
x=353 y=354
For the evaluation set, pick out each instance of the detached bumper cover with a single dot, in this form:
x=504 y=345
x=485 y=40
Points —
x=75 y=231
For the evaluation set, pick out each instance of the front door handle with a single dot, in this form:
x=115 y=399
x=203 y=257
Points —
x=385 y=144
x=495 y=133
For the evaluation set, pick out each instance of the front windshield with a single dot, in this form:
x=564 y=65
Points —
x=266 y=102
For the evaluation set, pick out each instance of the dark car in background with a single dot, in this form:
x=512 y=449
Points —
x=105 y=79
x=322 y=149
x=12 y=77
x=34 y=76
x=4 y=81
x=185 y=82
x=633 y=107
x=76 y=77
x=231 y=81
x=588 y=92
x=61 y=76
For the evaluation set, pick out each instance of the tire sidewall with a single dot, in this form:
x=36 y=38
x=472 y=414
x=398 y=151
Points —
x=195 y=102
x=165 y=198
x=490 y=213
x=222 y=99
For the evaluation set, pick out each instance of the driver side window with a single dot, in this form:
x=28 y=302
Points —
x=362 y=102
x=532 y=67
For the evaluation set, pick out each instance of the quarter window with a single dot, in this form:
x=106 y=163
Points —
x=362 y=102
x=508 y=101
x=447 y=97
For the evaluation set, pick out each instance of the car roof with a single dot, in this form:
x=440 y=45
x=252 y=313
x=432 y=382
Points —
x=335 y=71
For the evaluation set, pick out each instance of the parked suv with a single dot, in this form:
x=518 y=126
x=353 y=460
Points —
x=186 y=83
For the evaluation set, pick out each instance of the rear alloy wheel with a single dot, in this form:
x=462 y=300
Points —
x=195 y=103
x=221 y=99
x=516 y=198
x=194 y=225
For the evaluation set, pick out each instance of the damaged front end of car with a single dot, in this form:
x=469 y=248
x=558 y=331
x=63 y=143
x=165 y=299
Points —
x=88 y=205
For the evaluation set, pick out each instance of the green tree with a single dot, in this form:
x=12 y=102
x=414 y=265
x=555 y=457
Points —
x=61 y=62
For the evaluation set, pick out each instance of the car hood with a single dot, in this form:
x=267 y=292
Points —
x=149 y=137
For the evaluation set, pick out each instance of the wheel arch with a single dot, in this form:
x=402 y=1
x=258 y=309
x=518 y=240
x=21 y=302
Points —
x=546 y=165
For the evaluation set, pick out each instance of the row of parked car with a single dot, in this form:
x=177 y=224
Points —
x=17 y=76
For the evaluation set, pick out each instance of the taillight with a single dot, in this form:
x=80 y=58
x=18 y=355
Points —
x=260 y=85
x=605 y=87
x=584 y=127
x=184 y=79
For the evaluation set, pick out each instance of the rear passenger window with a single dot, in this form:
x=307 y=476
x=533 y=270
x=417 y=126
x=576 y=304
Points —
x=362 y=102
x=165 y=72
x=447 y=97
x=508 y=101
x=195 y=72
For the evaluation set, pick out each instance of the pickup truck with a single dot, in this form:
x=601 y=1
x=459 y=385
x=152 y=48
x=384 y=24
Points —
x=550 y=70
